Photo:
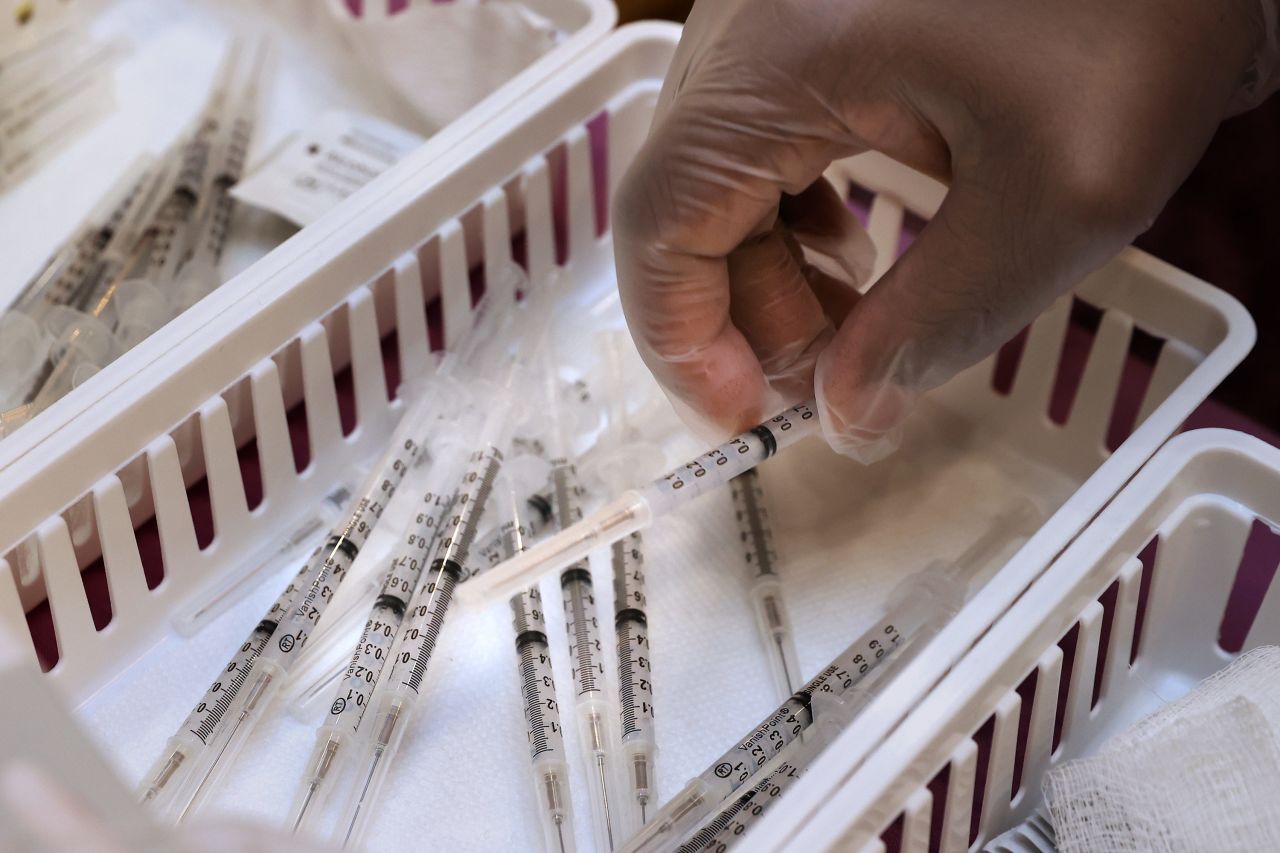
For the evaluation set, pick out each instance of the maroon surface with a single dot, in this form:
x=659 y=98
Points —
x=1222 y=225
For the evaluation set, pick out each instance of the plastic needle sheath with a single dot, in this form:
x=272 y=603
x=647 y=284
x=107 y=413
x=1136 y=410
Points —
x=635 y=509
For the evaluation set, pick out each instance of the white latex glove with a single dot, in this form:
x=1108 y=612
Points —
x=1062 y=129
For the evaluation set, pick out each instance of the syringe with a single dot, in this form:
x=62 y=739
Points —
x=541 y=711
x=622 y=458
x=81 y=337
x=198 y=275
x=128 y=243
x=772 y=619
x=374 y=647
x=915 y=610
x=183 y=776
x=703 y=794
x=635 y=687
x=594 y=715
x=395 y=704
x=726 y=828
x=169 y=230
x=25 y=339
x=191 y=230
x=325 y=667
x=69 y=332
x=56 y=281
x=635 y=509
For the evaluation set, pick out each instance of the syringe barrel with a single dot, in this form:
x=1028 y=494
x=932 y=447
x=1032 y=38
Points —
x=371 y=655
x=638 y=780
x=717 y=467
x=635 y=688
x=752 y=515
x=537 y=684
x=461 y=526
x=421 y=628
x=170 y=233
x=203 y=721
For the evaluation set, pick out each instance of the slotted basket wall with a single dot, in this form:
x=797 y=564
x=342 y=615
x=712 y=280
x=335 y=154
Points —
x=1169 y=584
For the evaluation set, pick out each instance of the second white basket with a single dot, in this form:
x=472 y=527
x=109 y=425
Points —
x=1164 y=588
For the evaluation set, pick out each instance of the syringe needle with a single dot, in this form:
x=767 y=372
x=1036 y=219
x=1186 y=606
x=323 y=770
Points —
x=364 y=792
x=635 y=509
x=782 y=657
x=602 y=778
x=306 y=804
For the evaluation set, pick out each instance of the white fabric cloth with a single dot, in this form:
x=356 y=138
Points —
x=1200 y=775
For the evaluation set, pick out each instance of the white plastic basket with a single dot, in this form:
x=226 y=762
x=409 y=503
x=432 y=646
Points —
x=179 y=406
x=173 y=49
x=1155 y=595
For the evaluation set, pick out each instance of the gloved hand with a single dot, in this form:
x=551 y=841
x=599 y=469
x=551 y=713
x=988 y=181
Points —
x=1062 y=129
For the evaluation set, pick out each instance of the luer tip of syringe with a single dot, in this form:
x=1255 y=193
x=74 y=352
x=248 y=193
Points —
x=160 y=779
x=320 y=767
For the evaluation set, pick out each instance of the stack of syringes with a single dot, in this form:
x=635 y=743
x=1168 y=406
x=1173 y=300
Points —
x=150 y=250
x=53 y=84
x=484 y=465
